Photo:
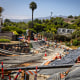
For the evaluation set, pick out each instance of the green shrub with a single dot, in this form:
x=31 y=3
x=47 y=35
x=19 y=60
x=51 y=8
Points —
x=75 y=42
x=68 y=44
x=60 y=37
x=30 y=45
x=4 y=40
x=78 y=38
x=14 y=32
x=19 y=31
x=78 y=42
x=72 y=21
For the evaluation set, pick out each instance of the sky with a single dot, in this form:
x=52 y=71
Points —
x=19 y=9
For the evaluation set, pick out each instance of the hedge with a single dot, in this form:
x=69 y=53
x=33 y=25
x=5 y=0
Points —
x=75 y=42
x=4 y=40
x=67 y=43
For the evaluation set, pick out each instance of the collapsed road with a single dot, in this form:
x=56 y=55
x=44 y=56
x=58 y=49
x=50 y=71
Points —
x=20 y=58
x=39 y=58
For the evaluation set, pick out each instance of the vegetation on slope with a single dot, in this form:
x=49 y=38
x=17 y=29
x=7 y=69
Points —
x=48 y=26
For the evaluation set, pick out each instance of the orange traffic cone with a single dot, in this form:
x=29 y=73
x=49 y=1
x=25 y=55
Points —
x=36 y=39
x=45 y=53
x=59 y=56
x=78 y=59
x=56 y=57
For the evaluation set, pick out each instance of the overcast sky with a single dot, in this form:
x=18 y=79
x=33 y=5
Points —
x=19 y=9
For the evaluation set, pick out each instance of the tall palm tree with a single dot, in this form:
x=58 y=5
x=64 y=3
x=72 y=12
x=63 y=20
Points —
x=33 y=6
x=1 y=10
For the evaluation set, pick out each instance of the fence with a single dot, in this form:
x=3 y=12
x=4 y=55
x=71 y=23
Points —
x=26 y=71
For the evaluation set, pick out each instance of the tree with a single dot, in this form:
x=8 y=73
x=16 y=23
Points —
x=52 y=19
x=29 y=24
x=33 y=6
x=39 y=27
x=70 y=16
x=76 y=17
x=7 y=20
x=77 y=22
x=1 y=10
x=43 y=20
x=76 y=33
x=37 y=21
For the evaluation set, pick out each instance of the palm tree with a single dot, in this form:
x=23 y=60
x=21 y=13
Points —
x=33 y=6
x=1 y=10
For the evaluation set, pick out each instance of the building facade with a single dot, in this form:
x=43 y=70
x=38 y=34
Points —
x=65 y=31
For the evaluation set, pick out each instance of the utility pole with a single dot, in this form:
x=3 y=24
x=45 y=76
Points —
x=51 y=14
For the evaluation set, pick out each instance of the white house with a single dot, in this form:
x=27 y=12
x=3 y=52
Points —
x=65 y=31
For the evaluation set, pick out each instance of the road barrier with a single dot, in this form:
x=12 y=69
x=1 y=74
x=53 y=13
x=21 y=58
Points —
x=35 y=78
x=30 y=72
x=2 y=70
x=17 y=74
